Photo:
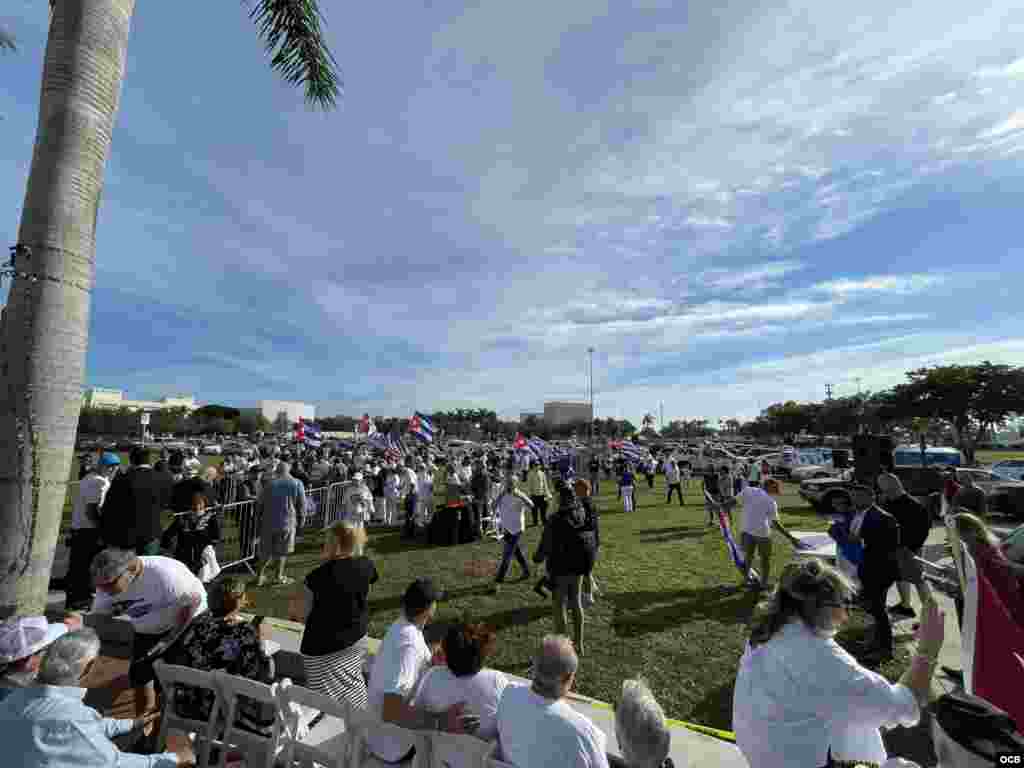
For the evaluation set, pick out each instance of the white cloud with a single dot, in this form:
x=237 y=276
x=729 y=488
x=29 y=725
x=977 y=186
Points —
x=887 y=284
x=1014 y=122
x=757 y=277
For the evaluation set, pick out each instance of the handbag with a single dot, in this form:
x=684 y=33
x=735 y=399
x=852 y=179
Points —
x=209 y=568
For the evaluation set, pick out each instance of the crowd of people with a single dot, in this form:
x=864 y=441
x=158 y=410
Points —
x=800 y=698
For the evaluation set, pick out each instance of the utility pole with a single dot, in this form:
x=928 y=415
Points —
x=590 y=350
x=661 y=415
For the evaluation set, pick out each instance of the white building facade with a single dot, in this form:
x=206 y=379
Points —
x=272 y=411
x=102 y=397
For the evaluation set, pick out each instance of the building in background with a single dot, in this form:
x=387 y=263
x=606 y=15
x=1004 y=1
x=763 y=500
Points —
x=101 y=397
x=525 y=416
x=558 y=413
x=281 y=413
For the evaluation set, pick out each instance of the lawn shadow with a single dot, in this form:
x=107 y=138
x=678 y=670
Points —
x=657 y=535
x=513 y=617
x=391 y=543
x=644 y=613
x=715 y=706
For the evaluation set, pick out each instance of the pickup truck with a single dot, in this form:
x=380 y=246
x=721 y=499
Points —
x=1004 y=496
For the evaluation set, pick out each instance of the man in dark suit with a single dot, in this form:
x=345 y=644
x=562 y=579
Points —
x=879 y=533
x=132 y=512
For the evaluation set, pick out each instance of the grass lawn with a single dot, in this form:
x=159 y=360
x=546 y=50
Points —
x=669 y=607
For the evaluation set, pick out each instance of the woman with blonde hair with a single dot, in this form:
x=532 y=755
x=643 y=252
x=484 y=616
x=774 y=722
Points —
x=333 y=603
x=800 y=699
x=987 y=551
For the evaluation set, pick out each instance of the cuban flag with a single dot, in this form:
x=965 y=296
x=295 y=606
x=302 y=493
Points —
x=420 y=426
x=378 y=440
x=311 y=435
x=538 y=448
x=519 y=443
x=730 y=543
x=631 y=451
x=366 y=425
x=990 y=641
x=395 y=445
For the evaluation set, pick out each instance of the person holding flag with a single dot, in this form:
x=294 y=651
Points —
x=760 y=516
x=420 y=426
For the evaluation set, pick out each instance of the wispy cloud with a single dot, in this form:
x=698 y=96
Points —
x=900 y=285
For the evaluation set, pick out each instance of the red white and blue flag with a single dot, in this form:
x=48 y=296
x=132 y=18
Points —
x=420 y=426
x=308 y=434
x=726 y=529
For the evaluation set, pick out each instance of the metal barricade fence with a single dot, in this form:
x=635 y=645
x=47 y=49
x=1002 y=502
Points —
x=240 y=531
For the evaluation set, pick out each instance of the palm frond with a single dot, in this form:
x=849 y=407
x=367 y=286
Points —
x=7 y=41
x=291 y=31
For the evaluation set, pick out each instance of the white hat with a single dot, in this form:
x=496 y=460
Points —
x=23 y=637
x=357 y=476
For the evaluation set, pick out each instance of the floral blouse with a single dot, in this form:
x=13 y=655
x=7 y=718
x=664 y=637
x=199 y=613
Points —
x=210 y=644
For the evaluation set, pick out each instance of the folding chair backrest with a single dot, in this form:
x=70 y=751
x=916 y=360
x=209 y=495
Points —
x=362 y=722
x=449 y=749
x=231 y=687
x=332 y=752
x=171 y=675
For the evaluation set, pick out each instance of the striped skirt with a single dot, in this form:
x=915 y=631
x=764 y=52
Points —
x=339 y=674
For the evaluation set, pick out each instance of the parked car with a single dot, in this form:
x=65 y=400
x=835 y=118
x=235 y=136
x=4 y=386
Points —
x=811 y=472
x=1004 y=496
x=1010 y=469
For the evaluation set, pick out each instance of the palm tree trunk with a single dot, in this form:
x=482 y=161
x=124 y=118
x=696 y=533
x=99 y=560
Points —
x=45 y=327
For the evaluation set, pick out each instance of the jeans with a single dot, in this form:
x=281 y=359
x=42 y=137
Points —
x=540 y=507
x=85 y=545
x=512 y=547
x=595 y=483
x=679 y=491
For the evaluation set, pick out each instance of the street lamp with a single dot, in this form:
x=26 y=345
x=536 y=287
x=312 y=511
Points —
x=590 y=350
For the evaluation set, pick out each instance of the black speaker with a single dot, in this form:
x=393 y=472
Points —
x=872 y=455
x=840 y=458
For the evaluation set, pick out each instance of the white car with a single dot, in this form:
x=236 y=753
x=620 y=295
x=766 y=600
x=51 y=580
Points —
x=811 y=472
x=211 y=449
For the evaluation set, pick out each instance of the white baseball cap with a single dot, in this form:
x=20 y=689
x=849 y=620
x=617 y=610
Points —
x=25 y=636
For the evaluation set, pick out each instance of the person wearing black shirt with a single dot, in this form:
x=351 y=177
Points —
x=915 y=524
x=131 y=514
x=333 y=603
x=713 y=490
x=595 y=474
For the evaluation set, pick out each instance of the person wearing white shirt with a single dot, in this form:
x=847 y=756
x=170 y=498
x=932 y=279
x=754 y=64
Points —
x=511 y=510
x=85 y=530
x=760 y=515
x=425 y=493
x=400 y=661
x=537 y=727
x=800 y=699
x=463 y=679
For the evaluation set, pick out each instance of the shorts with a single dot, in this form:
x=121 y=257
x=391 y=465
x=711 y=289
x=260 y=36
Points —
x=746 y=538
x=278 y=543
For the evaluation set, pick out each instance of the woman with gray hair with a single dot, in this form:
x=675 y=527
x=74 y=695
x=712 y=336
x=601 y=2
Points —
x=640 y=729
x=50 y=725
x=800 y=699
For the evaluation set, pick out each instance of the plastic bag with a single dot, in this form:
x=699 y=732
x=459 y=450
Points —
x=210 y=568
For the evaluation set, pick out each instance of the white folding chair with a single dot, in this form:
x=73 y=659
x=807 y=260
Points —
x=362 y=722
x=450 y=749
x=333 y=751
x=205 y=730
x=231 y=687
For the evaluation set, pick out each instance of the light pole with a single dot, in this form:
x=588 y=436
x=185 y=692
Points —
x=590 y=350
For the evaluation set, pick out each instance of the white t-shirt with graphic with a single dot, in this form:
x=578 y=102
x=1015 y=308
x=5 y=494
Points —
x=152 y=602
x=441 y=689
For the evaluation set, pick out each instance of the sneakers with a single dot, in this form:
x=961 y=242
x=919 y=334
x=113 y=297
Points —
x=902 y=612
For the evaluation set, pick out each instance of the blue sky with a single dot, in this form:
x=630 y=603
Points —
x=733 y=206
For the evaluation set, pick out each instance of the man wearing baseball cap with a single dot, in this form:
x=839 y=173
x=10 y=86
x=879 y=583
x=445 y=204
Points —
x=22 y=643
